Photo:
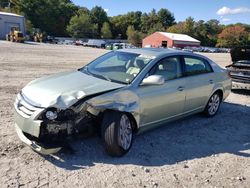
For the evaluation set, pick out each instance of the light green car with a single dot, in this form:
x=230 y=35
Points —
x=119 y=94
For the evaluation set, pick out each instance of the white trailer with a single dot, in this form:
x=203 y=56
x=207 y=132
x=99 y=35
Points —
x=9 y=20
x=96 y=43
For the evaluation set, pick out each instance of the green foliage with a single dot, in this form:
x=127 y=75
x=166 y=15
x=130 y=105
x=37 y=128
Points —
x=166 y=18
x=233 y=36
x=120 y=23
x=29 y=26
x=98 y=16
x=106 y=32
x=206 y=32
x=134 y=37
x=51 y=16
x=80 y=26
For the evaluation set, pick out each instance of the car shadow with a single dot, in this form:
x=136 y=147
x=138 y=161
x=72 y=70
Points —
x=186 y=139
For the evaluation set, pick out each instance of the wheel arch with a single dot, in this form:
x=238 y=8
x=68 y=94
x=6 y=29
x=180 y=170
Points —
x=130 y=116
x=220 y=90
x=133 y=120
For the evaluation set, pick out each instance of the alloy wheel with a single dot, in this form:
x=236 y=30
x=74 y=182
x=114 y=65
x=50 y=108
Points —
x=213 y=104
x=125 y=132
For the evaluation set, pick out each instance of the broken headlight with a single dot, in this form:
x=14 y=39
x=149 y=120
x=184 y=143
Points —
x=51 y=114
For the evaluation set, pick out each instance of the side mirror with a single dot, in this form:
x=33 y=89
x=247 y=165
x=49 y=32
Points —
x=153 y=80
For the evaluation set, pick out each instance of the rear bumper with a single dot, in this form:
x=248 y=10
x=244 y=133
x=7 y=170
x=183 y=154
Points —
x=239 y=85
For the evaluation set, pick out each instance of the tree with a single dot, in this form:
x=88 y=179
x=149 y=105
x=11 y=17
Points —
x=134 y=37
x=106 y=32
x=166 y=18
x=134 y=19
x=80 y=26
x=189 y=26
x=153 y=21
x=120 y=23
x=119 y=26
x=98 y=16
x=233 y=36
x=177 y=28
x=51 y=16
x=157 y=27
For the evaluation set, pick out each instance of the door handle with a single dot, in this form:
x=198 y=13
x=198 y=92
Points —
x=180 y=88
x=211 y=81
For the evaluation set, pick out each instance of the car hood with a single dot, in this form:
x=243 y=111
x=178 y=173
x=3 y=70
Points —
x=64 y=89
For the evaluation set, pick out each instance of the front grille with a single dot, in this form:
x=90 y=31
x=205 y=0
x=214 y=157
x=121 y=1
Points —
x=24 y=108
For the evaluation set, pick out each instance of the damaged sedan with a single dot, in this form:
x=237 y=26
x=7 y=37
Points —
x=120 y=94
x=239 y=70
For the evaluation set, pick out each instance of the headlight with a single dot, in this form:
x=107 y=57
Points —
x=51 y=115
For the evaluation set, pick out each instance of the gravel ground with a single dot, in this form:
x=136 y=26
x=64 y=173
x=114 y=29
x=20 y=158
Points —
x=192 y=152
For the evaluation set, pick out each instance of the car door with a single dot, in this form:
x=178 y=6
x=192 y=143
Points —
x=162 y=102
x=199 y=82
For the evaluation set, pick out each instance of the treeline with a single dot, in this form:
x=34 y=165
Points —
x=63 y=18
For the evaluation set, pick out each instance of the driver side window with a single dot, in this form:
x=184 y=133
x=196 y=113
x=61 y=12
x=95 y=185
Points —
x=169 y=68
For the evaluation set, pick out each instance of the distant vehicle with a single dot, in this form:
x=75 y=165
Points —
x=68 y=42
x=79 y=43
x=148 y=46
x=37 y=35
x=96 y=43
x=109 y=45
x=119 y=94
x=51 y=40
x=117 y=46
x=188 y=49
x=240 y=69
x=15 y=35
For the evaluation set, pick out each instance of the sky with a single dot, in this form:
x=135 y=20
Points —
x=226 y=11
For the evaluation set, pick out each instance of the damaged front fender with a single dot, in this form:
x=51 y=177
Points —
x=120 y=100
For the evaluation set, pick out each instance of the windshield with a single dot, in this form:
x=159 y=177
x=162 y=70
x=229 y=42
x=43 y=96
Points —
x=115 y=66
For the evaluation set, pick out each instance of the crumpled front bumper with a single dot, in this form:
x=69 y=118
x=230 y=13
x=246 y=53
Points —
x=34 y=145
x=29 y=125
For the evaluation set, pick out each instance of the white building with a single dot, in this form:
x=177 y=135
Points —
x=9 y=20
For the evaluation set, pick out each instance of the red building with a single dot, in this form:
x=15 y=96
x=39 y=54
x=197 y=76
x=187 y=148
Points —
x=164 y=39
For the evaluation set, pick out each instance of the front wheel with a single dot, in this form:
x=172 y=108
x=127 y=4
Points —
x=117 y=133
x=213 y=105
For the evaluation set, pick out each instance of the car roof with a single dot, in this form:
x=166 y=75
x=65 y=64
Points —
x=159 y=52
x=152 y=51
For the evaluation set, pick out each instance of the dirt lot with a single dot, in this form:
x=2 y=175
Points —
x=192 y=152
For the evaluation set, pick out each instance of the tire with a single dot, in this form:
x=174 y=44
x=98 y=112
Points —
x=213 y=105
x=117 y=133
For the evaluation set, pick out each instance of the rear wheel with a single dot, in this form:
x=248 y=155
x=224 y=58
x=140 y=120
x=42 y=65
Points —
x=117 y=133
x=213 y=105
